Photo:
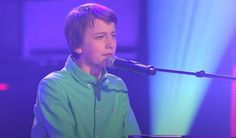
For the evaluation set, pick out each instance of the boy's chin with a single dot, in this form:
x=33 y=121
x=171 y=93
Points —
x=103 y=65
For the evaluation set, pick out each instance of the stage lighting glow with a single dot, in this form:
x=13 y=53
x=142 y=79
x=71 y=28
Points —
x=185 y=35
x=4 y=86
x=233 y=107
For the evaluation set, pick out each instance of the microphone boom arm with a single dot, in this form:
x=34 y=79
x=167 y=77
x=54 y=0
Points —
x=137 y=67
x=199 y=74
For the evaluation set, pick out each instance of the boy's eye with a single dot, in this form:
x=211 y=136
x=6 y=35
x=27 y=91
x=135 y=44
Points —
x=113 y=35
x=99 y=37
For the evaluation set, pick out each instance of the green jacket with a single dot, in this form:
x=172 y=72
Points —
x=73 y=104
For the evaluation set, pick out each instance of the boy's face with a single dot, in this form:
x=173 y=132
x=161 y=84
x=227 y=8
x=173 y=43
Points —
x=99 y=43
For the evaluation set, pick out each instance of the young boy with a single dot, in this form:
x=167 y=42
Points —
x=82 y=100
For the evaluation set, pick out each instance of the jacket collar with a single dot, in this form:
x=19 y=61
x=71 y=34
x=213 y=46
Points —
x=81 y=76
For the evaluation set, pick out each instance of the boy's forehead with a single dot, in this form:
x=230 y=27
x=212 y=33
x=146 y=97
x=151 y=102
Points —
x=100 y=25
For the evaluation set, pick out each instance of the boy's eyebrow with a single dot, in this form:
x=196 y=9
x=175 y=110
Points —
x=97 y=33
x=100 y=33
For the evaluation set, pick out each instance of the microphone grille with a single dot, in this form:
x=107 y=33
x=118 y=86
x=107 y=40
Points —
x=110 y=61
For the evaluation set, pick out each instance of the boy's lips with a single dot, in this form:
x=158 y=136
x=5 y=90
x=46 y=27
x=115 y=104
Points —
x=108 y=54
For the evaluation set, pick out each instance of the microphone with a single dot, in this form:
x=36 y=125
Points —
x=130 y=65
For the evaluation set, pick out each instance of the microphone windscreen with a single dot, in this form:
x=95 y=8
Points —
x=110 y=61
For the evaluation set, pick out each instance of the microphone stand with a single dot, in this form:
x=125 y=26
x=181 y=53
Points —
x=137 y=67
x=152 y=71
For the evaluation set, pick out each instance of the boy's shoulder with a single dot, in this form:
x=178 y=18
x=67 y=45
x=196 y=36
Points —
x=117 y=81
x=57 y=76
x=113 y=77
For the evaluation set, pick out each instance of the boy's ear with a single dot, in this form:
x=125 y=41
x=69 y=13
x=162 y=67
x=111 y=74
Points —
x=78 y=50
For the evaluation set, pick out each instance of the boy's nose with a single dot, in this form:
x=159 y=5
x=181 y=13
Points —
x=110 y=43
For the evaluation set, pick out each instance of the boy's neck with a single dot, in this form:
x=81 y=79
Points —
x=93 y=70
